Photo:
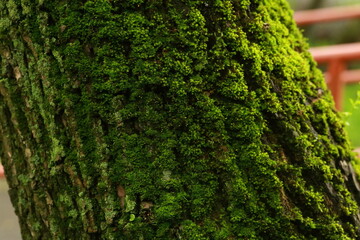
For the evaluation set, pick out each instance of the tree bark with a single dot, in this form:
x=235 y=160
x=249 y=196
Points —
x=169 y=120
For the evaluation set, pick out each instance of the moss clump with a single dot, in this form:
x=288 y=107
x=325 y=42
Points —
x=168 y=120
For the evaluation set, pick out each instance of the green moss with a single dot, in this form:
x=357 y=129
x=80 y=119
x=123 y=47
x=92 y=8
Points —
x=191 y=119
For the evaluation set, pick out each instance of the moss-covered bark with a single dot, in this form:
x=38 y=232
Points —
x=173 y=119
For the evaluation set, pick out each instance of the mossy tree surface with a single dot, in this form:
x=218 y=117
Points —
x=177 y=119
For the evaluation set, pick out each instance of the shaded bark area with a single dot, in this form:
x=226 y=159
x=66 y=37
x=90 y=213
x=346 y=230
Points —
x=169 y=120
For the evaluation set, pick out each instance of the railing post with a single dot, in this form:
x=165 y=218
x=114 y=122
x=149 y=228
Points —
x=336 y=85
x=1 y=171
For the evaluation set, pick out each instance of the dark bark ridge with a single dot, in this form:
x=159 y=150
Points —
x=169 y=120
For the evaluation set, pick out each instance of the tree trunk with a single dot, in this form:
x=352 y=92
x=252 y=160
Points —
x=169 y=120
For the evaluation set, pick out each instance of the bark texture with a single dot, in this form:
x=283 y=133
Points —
x=169 y=119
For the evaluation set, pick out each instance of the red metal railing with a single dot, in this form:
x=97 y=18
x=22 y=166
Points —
x=326 y=15
x=336 y=57
x=1 y=171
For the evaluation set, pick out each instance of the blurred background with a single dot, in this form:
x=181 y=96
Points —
x=9 y=227
x=332 y=33
x=319 y=34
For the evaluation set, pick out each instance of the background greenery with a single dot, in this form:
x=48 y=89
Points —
x=353 y=119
